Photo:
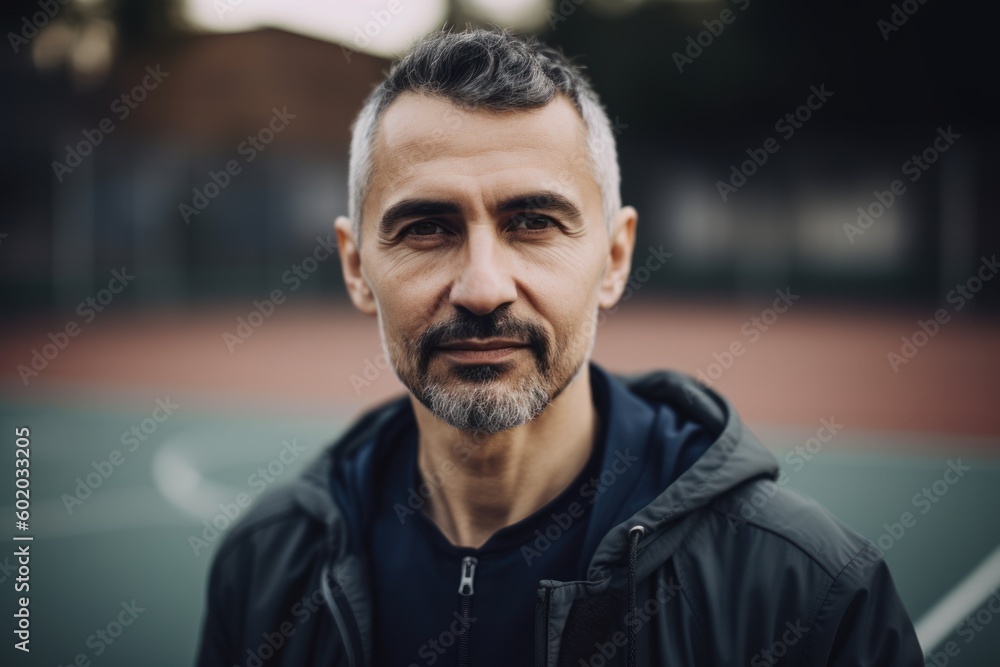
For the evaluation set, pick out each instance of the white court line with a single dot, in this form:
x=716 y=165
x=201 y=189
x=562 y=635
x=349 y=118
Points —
x=182 y=481
x=184 y=486
x=945 y=616
x=183 y=464
x=179 y=468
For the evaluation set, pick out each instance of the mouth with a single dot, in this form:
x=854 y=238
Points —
x=482 y=350
x=475 y=345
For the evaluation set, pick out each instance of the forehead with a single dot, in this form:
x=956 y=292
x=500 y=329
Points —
x=427 y=146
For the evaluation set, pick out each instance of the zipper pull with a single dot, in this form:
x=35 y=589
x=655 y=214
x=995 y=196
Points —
x=468 y=572
x=465 y=606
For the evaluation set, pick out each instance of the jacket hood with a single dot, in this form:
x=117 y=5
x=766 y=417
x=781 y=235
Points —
x=735 y=457
x=332 y=489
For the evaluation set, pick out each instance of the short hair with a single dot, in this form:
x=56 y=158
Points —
x=489 y=69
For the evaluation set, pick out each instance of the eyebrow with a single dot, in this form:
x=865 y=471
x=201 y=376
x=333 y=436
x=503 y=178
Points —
x=540 y=201
x=414 y=208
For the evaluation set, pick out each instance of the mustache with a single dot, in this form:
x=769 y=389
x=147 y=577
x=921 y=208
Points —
x=495 y=324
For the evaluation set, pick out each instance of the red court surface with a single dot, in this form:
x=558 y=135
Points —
x=315 y=358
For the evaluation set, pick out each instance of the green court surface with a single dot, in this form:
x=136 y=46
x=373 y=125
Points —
x=129 y=542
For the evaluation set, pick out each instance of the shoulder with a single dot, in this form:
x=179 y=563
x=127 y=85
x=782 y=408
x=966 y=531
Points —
x=790 y=522
x=784 y=552
x=798 y=562
x=789 y=559
x=275 y=524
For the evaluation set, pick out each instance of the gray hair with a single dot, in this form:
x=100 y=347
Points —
x=486 y=69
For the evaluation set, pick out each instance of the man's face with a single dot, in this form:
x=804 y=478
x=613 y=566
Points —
x=485 y=249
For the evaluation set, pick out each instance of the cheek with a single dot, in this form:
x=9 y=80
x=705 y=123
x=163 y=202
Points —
x=405 y=292
x=575 y=324
x=400 y=318
x=566 y=296
x=567 y=273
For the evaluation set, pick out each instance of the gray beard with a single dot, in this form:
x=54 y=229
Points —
x=489 y=407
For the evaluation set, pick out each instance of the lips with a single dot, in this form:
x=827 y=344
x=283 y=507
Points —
x=481 y=345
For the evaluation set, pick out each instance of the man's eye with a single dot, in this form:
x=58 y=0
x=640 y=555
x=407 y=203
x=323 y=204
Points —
x=424 y=228
x=532 y=222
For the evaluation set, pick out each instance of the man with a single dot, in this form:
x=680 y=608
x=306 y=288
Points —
x=521 y=505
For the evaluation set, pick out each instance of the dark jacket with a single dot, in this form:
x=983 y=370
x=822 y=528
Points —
x=724 y=567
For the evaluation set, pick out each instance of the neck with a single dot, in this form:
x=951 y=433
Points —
x=478 y=484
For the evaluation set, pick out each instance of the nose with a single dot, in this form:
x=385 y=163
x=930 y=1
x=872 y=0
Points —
x=485 y=281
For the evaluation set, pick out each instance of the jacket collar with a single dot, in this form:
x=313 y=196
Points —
x=734 y=458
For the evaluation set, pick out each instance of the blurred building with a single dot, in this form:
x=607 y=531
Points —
x=750 y=179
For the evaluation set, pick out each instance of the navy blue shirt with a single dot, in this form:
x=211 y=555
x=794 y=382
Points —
x=420 y=619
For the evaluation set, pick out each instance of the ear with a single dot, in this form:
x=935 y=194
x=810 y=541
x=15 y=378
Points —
x=350 y=263
x=619 y=262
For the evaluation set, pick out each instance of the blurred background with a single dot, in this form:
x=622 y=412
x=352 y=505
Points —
x=815 y=181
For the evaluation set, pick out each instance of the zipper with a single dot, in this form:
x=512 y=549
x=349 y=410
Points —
x=542 y=627
x=333 y=597
x=465 y=592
